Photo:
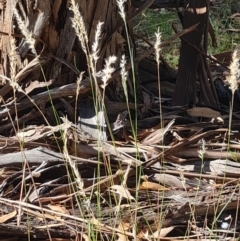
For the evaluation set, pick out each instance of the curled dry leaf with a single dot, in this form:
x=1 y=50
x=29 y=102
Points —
x=123 y=227
x=58 y=208
x=122 y=191
x=86 y=237
x=152 y=186
x=162 y=233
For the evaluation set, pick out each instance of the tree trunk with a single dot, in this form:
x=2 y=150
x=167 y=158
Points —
x=185 y=91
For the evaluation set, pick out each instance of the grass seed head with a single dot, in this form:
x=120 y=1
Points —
x=234 y=77
x=79 y=26
x=28 y=35
x=95 y=45
x=120 y=4
x=157 y=45
x=108 y=69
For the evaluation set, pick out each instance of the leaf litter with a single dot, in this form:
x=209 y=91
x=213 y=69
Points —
x=179 y=178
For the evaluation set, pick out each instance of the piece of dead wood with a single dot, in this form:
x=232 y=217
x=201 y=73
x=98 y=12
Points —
x=30 y=67
x=32 y=209
x=223 y=146
x=35 y=114
x=210 y=154
x=208 y=89
x=42 y=98
x=36 y=156
x=157 y=135
x=159 y=4
x=188 y=174
x=221 y=167
x=33 y=157
x=36 y=84
x=114 y=108
x=183 y=144
x=170 y=181
x=203 y=112
x=168 y=41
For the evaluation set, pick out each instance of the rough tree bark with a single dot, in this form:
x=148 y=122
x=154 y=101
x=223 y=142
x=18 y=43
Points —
x=185 y=91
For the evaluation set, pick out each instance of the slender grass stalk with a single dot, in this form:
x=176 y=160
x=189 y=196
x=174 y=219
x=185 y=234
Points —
x=233 y=80
x=31 y=44
x=92 y=58
x=72 y=163
x=157 y=47
x=124 y=76
x=121 y=4
x=12 y=80
x=157 y=55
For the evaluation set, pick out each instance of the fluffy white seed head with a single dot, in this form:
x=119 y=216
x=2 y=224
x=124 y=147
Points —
x=28 y=35
x=234 y=67
x=157 y=45
x=120 y=4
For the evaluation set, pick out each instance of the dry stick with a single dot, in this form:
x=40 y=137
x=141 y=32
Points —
x=42 y=98
x=219 y=145
x=210 y=154
x=27 y=207
x=207 y=176
x=213 y=36
x=151 y=45
x=144 y=39
x=179 y=146
x=27 y=117
x=113 y=179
